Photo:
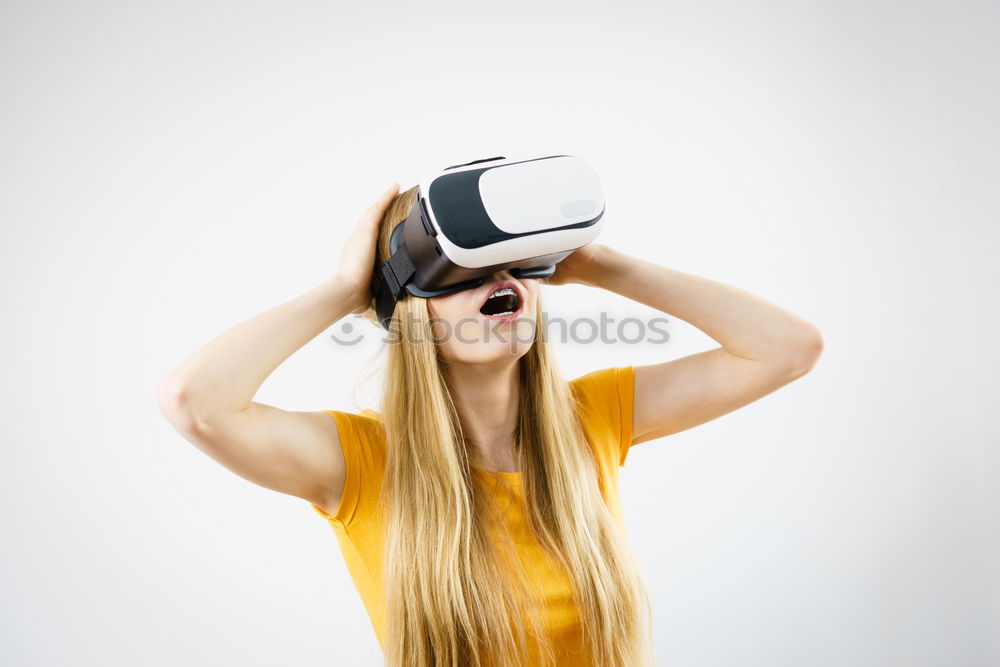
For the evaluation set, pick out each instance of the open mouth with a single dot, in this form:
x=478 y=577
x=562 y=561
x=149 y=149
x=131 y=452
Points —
x=503 y=302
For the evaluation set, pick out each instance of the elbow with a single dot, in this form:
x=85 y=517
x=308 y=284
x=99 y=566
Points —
x=172 y=399
x=806 y=350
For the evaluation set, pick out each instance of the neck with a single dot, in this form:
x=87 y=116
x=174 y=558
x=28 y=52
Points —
x=487 y=401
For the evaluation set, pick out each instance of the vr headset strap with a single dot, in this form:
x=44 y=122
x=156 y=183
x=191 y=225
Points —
x=396 y=272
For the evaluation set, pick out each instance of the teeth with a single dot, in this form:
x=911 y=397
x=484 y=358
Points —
x=501 y=293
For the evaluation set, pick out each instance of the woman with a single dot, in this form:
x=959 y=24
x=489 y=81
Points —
x=478 y=511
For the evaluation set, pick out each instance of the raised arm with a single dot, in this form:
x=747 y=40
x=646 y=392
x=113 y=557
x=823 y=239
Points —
x=763 y=346
x=209 y=397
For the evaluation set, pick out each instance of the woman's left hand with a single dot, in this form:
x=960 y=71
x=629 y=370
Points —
x=577 y=267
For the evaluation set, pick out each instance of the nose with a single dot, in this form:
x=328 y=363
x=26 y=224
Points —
x=502 y=274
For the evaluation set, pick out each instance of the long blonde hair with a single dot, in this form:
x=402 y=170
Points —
x=456 y=595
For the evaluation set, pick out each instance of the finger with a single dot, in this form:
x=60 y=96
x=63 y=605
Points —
x=372 y=216
x=384 y=200
x=370 y=219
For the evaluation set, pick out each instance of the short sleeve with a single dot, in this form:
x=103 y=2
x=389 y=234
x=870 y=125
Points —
x=364 y=457
x=605 y=399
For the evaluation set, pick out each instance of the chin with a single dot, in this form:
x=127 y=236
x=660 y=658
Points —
x=484 y=353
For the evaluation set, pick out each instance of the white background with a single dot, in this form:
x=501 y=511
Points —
x=170 y=169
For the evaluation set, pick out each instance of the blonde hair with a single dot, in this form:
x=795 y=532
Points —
x=456 y=595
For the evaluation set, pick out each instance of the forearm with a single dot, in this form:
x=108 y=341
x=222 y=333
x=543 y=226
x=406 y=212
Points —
x=744 y=324
x=225 y=374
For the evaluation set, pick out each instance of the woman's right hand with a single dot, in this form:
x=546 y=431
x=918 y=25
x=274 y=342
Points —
x=357 y=257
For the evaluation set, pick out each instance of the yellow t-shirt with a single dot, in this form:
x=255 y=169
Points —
x=605 y=401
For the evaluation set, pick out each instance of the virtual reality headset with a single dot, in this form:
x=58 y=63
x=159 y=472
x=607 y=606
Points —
x=471 y=220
